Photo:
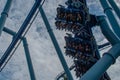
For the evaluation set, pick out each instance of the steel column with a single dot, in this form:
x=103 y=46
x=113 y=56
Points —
x=4 y=15
x=9 y=31
x=103 y=64
x=98 y=57
x=28 y=58
x=108 y=33
x=111 y=17
x=115 y=7
x=20 y=32
x=27 y=53
x=55 y=43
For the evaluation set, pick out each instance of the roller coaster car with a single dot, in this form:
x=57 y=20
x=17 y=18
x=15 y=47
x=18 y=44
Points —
x=76 y=3
x=76 y=46
x=73 y=19
x=69 y=14
x=82 y=48
x=69 y=19
x=82 y=64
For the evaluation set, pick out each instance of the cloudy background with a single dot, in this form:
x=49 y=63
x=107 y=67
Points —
x=44 y=57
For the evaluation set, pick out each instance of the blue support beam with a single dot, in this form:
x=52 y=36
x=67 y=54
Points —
x=4 y=15
x=111 y=17
x=103 y=64
x=20 y=32
x=115 y=7
x=28 y=58
x=108 y=58
x=98 y=57
x=62 y=74
x=55 y=43
x=9 y=31
x=108 y=33
x=27 y=53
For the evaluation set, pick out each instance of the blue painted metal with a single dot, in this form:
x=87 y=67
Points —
x=4 y=15
x=109 y=58
x=9 y=31
x=111 y=17
x=55 y=43
x=20 y=32
x=103 y=64
x=98 y=57
x=62 y=74
x=28 y=58
x=103 y=45
x=108 y=33
x=27 y=53
x=115 y=7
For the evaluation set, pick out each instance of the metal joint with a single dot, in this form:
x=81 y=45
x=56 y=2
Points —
x=108 y=54
x=108 y=8
x=100 y=19
x=4 y=13
x=49 y=30
x=24 y=39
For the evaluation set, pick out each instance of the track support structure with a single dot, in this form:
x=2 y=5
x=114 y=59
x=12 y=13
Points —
x=4 y=15
x=55 y=43
x=27 y=53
